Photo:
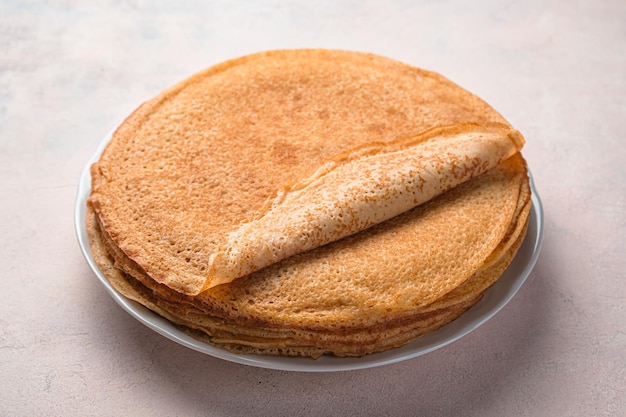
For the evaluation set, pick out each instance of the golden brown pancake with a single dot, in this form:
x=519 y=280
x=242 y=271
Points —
x=243 y=145
x=359 y=191
x=339 y=336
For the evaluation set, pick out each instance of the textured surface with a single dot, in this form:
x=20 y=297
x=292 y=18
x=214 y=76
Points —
x=358 y=291
x=195 y=202
x=70 y=70
x=363 y=288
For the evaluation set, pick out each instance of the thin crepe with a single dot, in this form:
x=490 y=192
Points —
x=192 y=170
x=357 y=192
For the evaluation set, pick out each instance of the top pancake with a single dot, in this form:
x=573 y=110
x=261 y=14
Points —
x=211 y=154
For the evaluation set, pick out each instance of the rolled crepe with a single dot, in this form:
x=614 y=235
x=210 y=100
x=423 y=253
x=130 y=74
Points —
x=360 y=189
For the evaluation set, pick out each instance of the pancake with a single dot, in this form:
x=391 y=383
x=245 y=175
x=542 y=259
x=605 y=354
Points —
x=342 y=338
x=358 y=192
x=201 y=200
x=216 y=149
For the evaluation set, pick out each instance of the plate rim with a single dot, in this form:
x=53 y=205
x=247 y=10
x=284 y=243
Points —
x=492 y=302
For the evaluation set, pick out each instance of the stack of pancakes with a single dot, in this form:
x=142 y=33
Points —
x=309 y=202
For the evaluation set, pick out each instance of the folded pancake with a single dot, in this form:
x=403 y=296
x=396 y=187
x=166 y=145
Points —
x=358 y=192
x=195 y=184
x=345 y=203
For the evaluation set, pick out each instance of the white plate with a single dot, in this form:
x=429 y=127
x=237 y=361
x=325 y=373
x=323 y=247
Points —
x=495 y=298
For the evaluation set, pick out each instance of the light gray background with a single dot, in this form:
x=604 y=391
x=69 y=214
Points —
x=71 y=70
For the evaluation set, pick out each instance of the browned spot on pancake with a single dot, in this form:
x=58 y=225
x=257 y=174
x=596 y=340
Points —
x=284 y=153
